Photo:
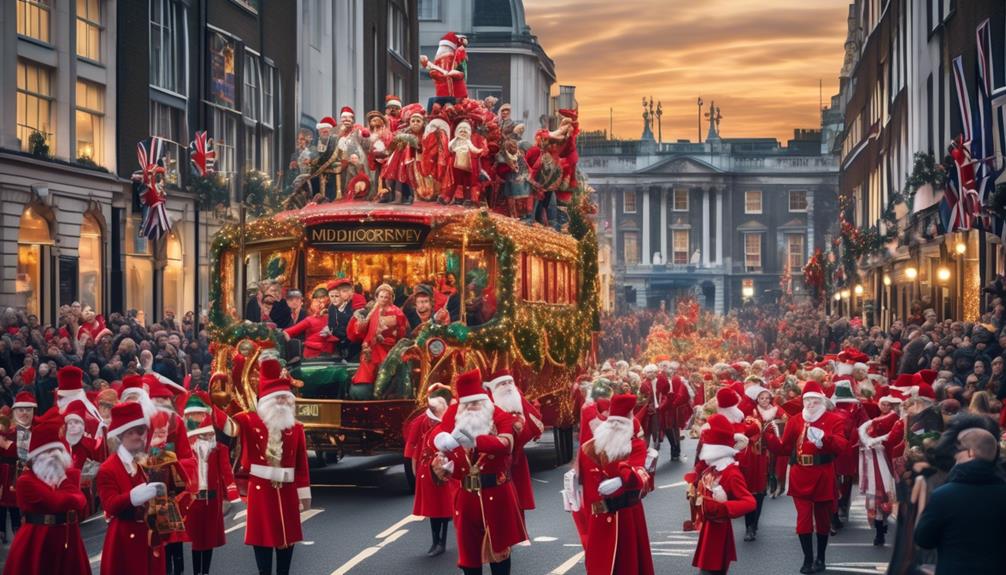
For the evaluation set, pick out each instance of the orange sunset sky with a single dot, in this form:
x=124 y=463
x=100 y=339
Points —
x=759 y=60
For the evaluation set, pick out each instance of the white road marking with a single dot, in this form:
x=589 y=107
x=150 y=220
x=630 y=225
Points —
x=240 y=514
x=401 y=523
x=690 y=543
x=307 y=542
x=678 y=484
x=393 y=537
x=92 y=518
x=544 y=539
x=304 y=516
x=567 y=565
x=388 y=536
x=539 y=480
x=95 y=558
x=235 y=527
x=356 y=560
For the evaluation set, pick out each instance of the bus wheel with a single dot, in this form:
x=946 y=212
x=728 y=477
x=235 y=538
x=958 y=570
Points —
x=410 y=477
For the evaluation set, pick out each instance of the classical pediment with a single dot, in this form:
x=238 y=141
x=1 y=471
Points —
x=681 y=165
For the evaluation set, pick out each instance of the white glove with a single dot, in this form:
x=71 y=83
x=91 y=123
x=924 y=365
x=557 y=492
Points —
x=816 y=436
x=449 y=467
x=651 y=459
x=143 y=493
x=609 y=486
x=445 y=442
x=463 y=439
x=719 y=494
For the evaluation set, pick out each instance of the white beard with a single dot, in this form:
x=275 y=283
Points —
x=718 y=456
x=812 y=415
x=74 y=437
x=732 y=413
x=51 y=467
x=614 y=439
x=202 y=449
x=768 y=414
x=476 y=423
x=508 y=398
x=277 y=418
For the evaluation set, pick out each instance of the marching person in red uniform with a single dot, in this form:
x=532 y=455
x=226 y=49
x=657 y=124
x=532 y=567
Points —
x=673 y=395
x=274 y=452
x=82 y=448
x=881 y=439
x=212 y=481
x=13 y=457
x=528 y=427
x=52 y=504
x=476 y=446
x=592 y=414
x=612 y=469
x=848 y=407
x=722 y=495
x=756 y=456
x=124 y=491
x=434 y=498
x=813 y=438
x=646 y=412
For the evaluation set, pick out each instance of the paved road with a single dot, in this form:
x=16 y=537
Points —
x=361 y=524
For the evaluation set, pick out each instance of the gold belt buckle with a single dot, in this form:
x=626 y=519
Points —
x=806 y=460
x=472 y=483
x=276 y=484
x=48 y=520
x=599 y=507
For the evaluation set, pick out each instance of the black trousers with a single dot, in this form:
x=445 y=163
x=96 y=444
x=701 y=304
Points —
x=263 y=559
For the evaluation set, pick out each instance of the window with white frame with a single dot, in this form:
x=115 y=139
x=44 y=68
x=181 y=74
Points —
x=166 y=123
x=680 y=200
x=428 y=9
x=679 y=247
x=34 y=103
x=250 y=102
x=266 y=151
x=90 y=118
x=797 y=201
x=164 y=46
x=89 y=29
x=268 y=95
x=752 y=202
x=33 y=19
x=630 y=247
x=398 y=30
x=629 y=202
x=752 y=252
x=795 y=252
x=225 y=135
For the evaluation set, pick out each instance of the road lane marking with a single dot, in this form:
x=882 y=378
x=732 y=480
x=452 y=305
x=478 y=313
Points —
x=95 y=558
x=92 y=518
x=388 y=536
x=567 y=565
x=356 y=560
x=304 y=516
x=539 y=480
x=678 y=484
x=240 y=514
x=401 y=523
x=393 y=537
x=544 y=539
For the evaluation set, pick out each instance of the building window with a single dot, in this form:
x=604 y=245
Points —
x=752 y=252
x=629 y=202
x=752 y=202
x=166 y=123
x=34 y=233
x=679 y=241
x=33 y=19
x=794 y=252
x=680 y=200
x=429 y=9
x=90 y=121
x=798 y=201
x=89 y=29
x=398 y=31
x=630 y=247
x=34 y=103
x=163 y=44
x=266 y=151
x=174 y=275
x=250 y=98
x=492 y=13
x=90 y=262
x=225 y=136
x=268 y=98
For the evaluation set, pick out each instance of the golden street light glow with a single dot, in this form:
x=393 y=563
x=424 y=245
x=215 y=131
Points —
x=845 y=294
x=747 y=291
x=858 y=290
x=961 y=248
x=943 y=273
x=911 y=273
x=887 y=280
x=838 y=296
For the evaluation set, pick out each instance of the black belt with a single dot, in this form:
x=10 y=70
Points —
x=205 y=494
x=613 y=504
x=475 y=483
x=808 y=460
x=70 y=517
x=138 y=514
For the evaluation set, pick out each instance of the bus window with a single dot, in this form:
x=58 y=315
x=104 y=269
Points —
x=480 y=287
x=536 y=291
x=562 y=296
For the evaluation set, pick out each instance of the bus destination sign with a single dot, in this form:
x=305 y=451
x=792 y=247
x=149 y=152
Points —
x=367 y=237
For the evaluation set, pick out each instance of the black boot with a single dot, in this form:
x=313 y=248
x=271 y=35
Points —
x=807 y=544
x=438 y=544
x=822 y=546
x=836 y=524
x=749 y=533
x=881 y=526
x=501 y=568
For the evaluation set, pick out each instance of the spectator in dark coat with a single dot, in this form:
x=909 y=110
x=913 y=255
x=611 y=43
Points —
x=966 y=517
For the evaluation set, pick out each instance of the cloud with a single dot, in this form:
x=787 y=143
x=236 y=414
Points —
x=759 y=60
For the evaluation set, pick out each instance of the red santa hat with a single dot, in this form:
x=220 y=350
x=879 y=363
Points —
x=568 y=113
x=893 y=396
x=76 y=409
x=718 y=431
x=813 y=389
x=158 y=389
x=339 y=282
x=46 y=434
x=126 y=416
x=326 y=122
x=131 y=384
x=924 y=390
x=69 y=379
x=907 y=380
x=621 y=407
x=470 y=387
x=726 y=397
x=414 y=109
x=271 y=380
x=928 y=375
x=346 y=111
x=391 y=100
x=25 y=399
x=450 y=40
x=498 y=377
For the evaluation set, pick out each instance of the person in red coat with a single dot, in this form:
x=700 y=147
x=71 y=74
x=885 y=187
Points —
x=13 y=459
x=646 y=412
x=82 y=448
x=211 y=481
x=612 y=469
x=847 y=406
x=813 y=438
x=274 y=453
x=52 y=504
x=318 y=337
x=384 y=325
x=124 y=491
x=722 y=495
x=756 y=456
x=672 y=395
x=447 y=69
x=528 y=427
x=592 y=414
x=476 y=447
x=434 y=498
x=881 y=439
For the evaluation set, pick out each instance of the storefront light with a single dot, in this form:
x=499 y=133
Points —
x=845 y=294
x=887 y=280
x=858 y=290
x=943 y=273
x=747 y=291
x=911 y=272
x=838 y=296
x=961 y=248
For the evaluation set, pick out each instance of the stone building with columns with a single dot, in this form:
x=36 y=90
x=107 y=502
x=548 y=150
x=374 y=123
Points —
x=723 y=220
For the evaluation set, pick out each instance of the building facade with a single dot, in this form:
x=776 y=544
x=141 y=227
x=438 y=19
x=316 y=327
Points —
x=723 y=220
x=900 y=100
x=505 y=59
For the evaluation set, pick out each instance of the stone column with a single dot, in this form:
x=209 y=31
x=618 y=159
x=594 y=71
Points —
x=646 y=228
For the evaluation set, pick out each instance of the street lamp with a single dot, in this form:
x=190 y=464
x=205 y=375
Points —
x=845 y=294
x=858 y=290
x=838 y=296
x=911 y=272
x=747 y=292
x=943 y=274
x=887 y=280
x=961 y=248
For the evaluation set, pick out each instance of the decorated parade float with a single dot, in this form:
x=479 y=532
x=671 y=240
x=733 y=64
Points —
x=429 y=242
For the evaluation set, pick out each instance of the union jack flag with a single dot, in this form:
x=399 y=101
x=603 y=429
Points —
x=201 y=154
x=150 y=154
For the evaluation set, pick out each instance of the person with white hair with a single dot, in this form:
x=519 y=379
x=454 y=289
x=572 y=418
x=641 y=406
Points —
x=527 y=428
x=274 y=453
x=612 y=468
x=49 y=496
x=432 y=497
x=881 y=439
x=476 y=448
x=13 y=458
